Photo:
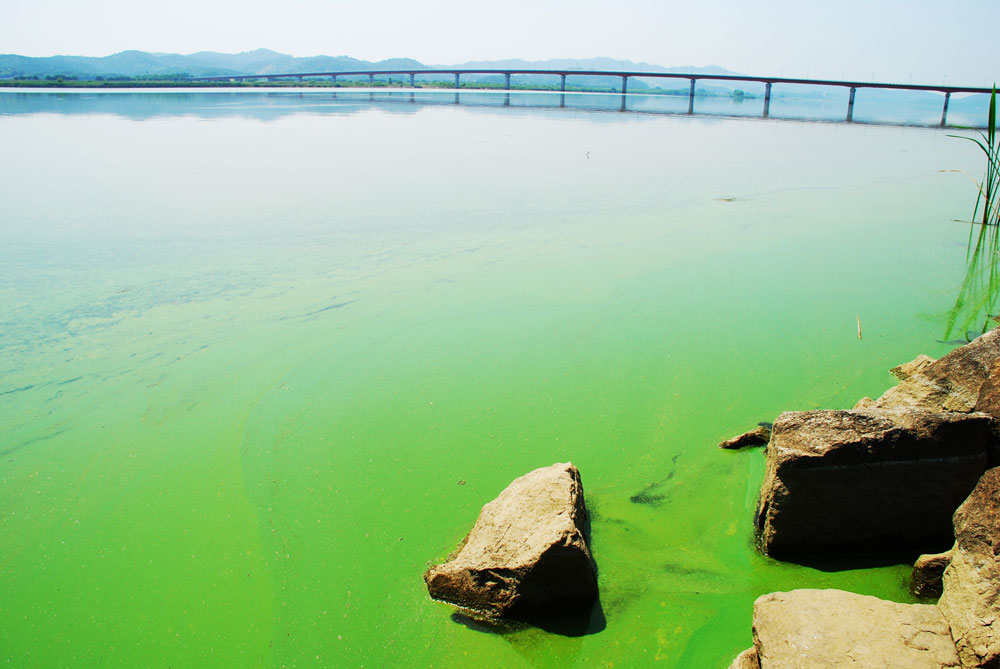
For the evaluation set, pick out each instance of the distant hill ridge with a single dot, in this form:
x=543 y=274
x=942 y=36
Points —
x=265 y=61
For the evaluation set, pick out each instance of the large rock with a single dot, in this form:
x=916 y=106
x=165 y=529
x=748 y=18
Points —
x=832 y=628
x=527 y=549
x=971 y=597
x=949 y=384
x=869 y=479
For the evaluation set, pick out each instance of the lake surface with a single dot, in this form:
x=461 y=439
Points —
x=264 y=356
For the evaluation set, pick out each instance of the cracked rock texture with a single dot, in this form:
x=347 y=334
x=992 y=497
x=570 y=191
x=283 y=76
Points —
x=526 y=549
x=833 y=628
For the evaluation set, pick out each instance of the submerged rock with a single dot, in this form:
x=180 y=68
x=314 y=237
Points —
x=868 y=480
x=758 y=436
x=971 y=597
x=925 y=581
x=833 y=628
x=527 y=549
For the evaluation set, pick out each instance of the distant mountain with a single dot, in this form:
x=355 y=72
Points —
x=265 y=61
x=201 y=64
x=606 y=64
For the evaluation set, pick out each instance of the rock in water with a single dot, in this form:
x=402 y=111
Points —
x=868 y=480
x=758 y=436
x=951 y=383
x=971 y=597
x=746 y=660
x=527 y=548
x=833 y=628
x=928 y=570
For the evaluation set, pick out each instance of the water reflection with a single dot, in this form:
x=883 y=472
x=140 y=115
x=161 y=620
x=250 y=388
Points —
x=873 y=107
x=975 y=306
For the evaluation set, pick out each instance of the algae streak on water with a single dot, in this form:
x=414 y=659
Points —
x=251 y=345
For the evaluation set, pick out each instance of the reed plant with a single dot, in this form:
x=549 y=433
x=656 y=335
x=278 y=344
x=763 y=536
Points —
x=981 y=287
x=989 y=187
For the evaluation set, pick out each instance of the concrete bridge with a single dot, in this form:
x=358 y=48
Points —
x=624 y=76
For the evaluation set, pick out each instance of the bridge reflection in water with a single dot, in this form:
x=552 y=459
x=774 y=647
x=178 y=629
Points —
x=815 y=110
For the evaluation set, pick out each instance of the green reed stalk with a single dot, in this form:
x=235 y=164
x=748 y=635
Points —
x=989 y=187
x=981 y=288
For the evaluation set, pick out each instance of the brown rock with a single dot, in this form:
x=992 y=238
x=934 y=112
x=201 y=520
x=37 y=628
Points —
x=526 y=549
x=915 y=366
x=925 y=581
x=746 y=660
x=971 y=597
x=864 y=403
x=832 y=628
x=951 y=383
x=758 y=436
x=868 y=480
x=988 y=400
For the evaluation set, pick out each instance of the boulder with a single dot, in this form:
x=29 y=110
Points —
x=833 y=628
x=949 y=384
x=925 y=581
x=527 y=549
x=758 y=436
x=868 y=480
x=971 y=598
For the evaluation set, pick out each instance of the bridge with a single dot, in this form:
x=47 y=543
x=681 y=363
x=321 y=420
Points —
x=624 y=76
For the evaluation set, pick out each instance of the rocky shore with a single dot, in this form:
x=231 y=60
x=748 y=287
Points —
x=914 y=469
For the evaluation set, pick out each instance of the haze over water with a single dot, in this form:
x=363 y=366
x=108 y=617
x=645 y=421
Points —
x=263 y=358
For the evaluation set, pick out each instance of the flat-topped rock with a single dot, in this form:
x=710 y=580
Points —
x=868 y=480
x=526 y=549
x=971 y=594
x=833 y=628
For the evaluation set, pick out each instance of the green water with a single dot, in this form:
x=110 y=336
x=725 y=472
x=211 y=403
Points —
x=246 y=358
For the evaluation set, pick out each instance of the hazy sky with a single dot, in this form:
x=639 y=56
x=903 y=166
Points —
x=888 y=40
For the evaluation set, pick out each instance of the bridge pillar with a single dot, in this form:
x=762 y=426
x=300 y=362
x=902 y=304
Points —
x=506 y=81
x=767 y=99
x=691 y=98
x=562 y=85
x=456 y=81
x=944 y=112
x=300 y=77
x=333 y=79
x=624 y=86
x=562 y=100
x=412 y=76
x=850 y=105
x=371 y=79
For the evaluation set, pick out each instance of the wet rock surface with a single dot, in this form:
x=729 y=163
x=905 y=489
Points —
x=527 y=550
